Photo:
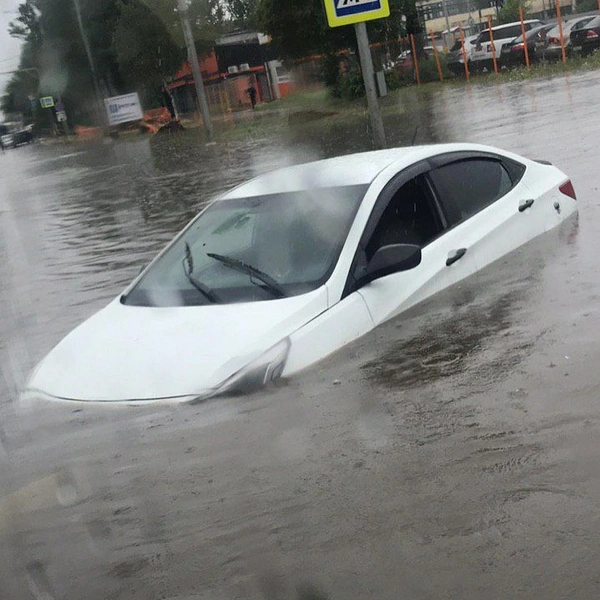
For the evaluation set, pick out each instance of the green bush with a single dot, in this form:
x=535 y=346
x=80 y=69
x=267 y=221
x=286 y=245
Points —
x=350 y=85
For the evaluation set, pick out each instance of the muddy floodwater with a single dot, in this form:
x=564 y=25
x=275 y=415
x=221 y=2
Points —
x=451 y=454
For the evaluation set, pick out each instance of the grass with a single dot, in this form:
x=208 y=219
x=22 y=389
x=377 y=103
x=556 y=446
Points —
x=537 y=71
x=314 y=109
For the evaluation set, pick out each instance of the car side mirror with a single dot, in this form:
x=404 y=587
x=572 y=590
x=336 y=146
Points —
x=392 y=259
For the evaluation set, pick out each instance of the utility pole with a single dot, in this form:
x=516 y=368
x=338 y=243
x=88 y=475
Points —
x=447 y=24
x=90 y=57
x=366 y=65
x=182 y=8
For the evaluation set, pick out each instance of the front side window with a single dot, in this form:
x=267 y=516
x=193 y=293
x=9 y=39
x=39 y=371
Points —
x=467 y=186
x=411 y=217
x=252 y=249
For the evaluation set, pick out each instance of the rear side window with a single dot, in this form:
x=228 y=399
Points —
x=467 y=186
x=508 y=33
x=581 y=24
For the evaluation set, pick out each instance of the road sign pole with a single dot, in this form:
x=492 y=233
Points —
x=366 y=65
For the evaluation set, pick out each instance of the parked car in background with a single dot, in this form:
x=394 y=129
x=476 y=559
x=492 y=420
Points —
x=586 y=40
x=482 y=55
x=18 y=137
x=455 y=59
x=553 y=50
x=22 y=136
x=7 y=140
x=513 y=53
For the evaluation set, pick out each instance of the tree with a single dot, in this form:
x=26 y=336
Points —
x=509 y=13
x=300 y=29
x=145 y=50
x=241 y=14
x=27 y=25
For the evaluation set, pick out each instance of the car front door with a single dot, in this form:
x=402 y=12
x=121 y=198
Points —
x=408 y=212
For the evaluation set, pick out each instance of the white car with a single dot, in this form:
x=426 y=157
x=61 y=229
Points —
x=482 y=56
x=293 y=265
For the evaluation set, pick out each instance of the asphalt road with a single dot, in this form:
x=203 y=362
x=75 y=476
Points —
x=452 y=453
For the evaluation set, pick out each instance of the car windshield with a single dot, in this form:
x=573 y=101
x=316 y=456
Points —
x=252 y=249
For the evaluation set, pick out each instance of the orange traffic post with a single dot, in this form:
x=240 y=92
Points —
x=415 y=60
x=492 y=44
x=560 y=31
x=464 y=52
x=523 y=36
x=437 y=56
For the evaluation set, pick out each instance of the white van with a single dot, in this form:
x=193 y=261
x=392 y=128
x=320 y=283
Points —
x=481 y=54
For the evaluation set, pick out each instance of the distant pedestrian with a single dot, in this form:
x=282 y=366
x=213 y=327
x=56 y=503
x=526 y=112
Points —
x=2 y=146
x=251 y=91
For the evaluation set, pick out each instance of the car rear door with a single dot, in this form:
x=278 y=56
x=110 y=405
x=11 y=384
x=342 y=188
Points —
x=486 y=199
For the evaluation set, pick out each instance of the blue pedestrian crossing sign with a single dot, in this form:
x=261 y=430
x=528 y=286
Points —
x=347 y=12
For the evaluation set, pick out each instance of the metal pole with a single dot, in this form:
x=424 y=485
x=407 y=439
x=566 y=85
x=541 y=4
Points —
x=193 y=60
x=448 y=24
x=90 y=57
x=366 y=65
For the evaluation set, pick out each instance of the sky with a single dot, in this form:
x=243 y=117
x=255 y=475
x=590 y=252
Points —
x=9 y=47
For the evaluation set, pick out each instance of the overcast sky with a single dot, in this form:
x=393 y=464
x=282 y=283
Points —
x=9 y=47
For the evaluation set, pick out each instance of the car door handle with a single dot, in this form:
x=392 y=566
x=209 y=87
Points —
x=455 y=255
x=525 y=204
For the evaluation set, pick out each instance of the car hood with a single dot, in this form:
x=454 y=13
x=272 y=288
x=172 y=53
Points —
x=145 y=353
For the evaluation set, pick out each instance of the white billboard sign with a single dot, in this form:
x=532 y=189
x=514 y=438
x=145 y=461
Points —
x=122 y=109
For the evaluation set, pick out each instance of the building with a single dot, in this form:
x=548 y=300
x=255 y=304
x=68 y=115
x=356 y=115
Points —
x=237 y=62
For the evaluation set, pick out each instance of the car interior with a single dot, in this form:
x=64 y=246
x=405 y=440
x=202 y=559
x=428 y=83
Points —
x=409 y=218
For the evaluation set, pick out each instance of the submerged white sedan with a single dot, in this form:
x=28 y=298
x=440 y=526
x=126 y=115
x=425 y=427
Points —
x=291 y=266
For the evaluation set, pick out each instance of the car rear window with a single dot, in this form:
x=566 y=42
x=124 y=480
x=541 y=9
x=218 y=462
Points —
x=466 y=187
x=595 y=22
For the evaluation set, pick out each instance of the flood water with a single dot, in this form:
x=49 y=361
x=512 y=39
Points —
x=450 y=454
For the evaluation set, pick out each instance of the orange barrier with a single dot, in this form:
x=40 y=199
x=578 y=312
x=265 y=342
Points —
x=493 y=45
x=156 y=118
x=437 y=56
x=415 y=59
x=464 y=52
x=524 y=38
x=560 y=30
x=89 y=133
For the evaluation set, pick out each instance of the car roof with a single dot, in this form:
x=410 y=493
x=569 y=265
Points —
x=352 y=169
x=506 y=25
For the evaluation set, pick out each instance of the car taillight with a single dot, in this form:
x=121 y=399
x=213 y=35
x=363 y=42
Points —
x=591 y=34
x=517 y=47
x=568 y=190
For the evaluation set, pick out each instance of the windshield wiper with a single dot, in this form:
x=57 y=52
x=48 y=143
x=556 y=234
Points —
x=238 y=265
x=204 y=290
